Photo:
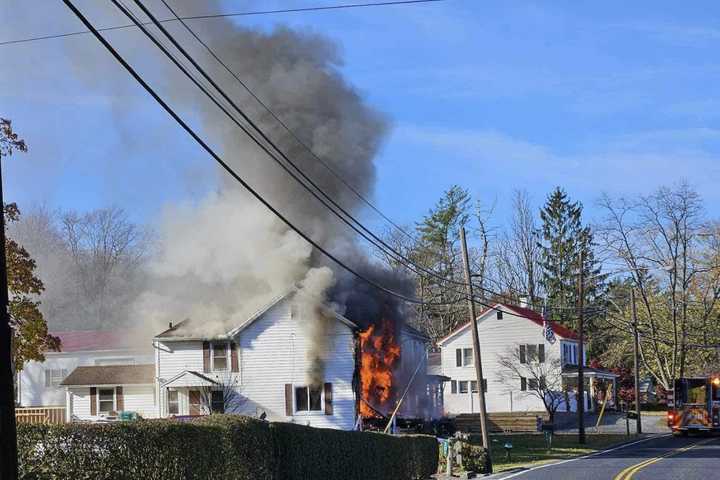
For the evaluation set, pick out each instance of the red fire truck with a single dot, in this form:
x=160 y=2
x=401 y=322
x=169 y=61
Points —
x=694 y=405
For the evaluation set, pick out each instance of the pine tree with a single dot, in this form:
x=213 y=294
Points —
x=563 y=238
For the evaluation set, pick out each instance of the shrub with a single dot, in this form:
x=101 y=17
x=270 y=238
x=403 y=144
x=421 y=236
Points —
x=306 y=452
x=474 y=457
x=215 y=447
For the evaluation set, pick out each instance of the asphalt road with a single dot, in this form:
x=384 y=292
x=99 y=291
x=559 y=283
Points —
x=660 y=458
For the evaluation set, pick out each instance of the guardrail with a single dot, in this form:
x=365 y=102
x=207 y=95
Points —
x=35 y=415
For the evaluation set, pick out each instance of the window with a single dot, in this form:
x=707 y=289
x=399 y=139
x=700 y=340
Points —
x=217 y=403
x=53 y=376
x=106 y=400
x=499 y=315
x=463 y=357
x=532 y=384
x=308 y=399
x=523 y=384
x=219 y=357
x=473 y=385
x=569 y=353
x=463 y=384
x=534 y=353
x=453 y=386
x=173 y=400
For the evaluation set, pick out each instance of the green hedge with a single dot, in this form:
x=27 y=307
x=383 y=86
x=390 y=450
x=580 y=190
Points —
x=218 y=446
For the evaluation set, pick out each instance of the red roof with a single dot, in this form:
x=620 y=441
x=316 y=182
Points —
x=85 y=340
x=531 y=315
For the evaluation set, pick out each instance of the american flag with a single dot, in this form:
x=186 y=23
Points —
x=547 y=326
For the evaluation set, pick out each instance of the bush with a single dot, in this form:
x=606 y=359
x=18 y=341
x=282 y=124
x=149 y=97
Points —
x=305 y=452
x=218 y=446
x=474 y=457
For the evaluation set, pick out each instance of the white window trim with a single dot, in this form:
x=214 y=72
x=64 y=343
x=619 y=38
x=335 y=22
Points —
x=114 y=400
x=308 y=412
x=228 y=367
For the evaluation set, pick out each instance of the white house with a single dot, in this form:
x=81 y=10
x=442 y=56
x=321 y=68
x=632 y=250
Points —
x=510 y=332
x=39 y=383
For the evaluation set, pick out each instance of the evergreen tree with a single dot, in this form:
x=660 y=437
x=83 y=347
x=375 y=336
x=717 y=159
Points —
x=563 y=238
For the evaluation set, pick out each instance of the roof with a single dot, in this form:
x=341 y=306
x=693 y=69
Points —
x=176 y=331
x=88 y=340
x=572 y=370
x=190 y=378
x=412 y=331
x=111 y=375
x=527 y=313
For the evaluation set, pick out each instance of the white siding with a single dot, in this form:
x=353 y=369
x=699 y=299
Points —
x=497 y=337
x=273 y=352
x=175 y=357
x=80 y=399
x=140 y=399
x=34 y=393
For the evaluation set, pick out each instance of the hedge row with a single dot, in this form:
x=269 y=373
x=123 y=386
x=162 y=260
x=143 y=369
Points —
x=218 y=446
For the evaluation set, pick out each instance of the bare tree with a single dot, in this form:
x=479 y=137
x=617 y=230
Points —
x=517 y=255
x=542 y=379
x=670 y=253
x=224 y=397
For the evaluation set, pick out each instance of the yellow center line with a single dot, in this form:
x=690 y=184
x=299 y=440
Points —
x=628 y=473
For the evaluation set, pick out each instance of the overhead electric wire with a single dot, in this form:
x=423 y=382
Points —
x=285 y=126
x=224 y=15
x=222 y=163
x=345 y=214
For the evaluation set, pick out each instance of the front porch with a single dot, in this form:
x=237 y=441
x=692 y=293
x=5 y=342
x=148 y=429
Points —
x=600 y=388
x=191 y=393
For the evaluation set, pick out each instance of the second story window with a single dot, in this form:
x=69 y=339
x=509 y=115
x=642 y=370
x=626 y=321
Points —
x=219 y=357
x=463 y=357
x=53 y=377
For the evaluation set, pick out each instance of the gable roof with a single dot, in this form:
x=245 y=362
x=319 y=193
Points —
x=176 y=331
x=194 y=379
x=111 y=375
x=90 y=340
x=521 y=312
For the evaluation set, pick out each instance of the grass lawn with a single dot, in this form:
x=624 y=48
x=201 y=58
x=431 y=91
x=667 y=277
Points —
x=531 y=449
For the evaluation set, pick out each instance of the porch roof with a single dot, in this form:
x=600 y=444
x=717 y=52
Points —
x=190 y=378
x=571 y=371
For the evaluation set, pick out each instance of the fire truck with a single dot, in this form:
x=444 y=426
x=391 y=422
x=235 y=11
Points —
x=694 y=405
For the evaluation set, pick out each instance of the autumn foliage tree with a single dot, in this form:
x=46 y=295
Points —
x=30 y=333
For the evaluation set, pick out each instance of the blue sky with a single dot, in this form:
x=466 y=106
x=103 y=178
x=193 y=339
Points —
x=494 y=96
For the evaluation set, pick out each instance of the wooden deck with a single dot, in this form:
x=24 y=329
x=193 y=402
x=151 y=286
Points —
x=40 y=415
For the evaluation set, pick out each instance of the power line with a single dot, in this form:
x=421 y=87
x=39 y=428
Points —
x=345 y=214
x=284 y=125
x=224 y=15
x=220 y=161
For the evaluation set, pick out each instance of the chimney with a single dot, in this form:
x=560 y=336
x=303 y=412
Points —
x=170 y=325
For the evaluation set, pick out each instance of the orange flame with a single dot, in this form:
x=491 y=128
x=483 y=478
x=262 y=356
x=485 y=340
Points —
x=379 y=353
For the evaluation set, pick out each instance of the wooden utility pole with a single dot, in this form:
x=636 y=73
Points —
x=636 y=359
x=8 y=431
x=476 y=351
x=581 y=351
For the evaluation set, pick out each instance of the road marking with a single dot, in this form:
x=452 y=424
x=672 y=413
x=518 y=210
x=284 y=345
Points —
x=628 y=473
x=553 y=464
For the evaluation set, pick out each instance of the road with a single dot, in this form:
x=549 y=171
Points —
x=660 y=458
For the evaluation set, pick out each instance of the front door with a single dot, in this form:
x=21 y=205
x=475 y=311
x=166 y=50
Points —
x=195 y=400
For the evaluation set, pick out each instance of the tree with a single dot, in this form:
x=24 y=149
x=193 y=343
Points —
x=517 y=256
x=563 y=239
x=672 y=258
x=225 y=397
x=542 y=379
x=30 y=334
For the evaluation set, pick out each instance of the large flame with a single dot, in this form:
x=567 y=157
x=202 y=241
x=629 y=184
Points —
x=379 y=353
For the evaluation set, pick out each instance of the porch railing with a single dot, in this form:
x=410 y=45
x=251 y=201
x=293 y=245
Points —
x=35 y=415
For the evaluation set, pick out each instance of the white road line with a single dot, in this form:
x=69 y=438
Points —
x=513 y=475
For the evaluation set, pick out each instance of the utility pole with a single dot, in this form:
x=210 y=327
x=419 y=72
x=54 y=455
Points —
x=581 y=351
x=636 y=358
x=8 y=431
x=476 y=351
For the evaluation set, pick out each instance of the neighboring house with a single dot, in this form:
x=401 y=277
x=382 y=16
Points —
x=39 y=383
x=97 y=392
x=505 y=330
